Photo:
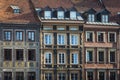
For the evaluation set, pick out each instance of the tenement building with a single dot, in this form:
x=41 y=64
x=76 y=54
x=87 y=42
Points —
x=59 y=39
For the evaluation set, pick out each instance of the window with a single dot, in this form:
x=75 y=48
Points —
x=48 y=76
x=112 y=75
x=60 y=15
x=7 y=75
x=19 y=76
x=62 y=76
x=31 y=54
x=19 y=35
x=31 y=36
x=101 y=56
x=112 y=56
x=72 y=14
x=112 y=37
x=74 y=39
x=74 y=76
x=19 y=54
x=89 y=75
x=104 y=18
x=8 y=54
x=101 y=75
x=61 y=39
x=48 y=58
x=74 y=58
x=91 y=17
x=89 y=36
x=7 y=35
x=100 y=36
x=31 y=76
x=48 y=39
x=89 y=56
x=16 y=9
x=47 y=14
x=61 y=58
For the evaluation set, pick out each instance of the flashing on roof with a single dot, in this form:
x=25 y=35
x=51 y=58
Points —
x=15 y=9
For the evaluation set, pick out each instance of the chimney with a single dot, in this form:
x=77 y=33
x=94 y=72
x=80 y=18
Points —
x=101 y=3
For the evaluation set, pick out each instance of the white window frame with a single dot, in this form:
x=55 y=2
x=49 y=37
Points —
x=50 y=40
x=104 y=74
x=46 y=54
x=60 y=14
x=87 y=33
x=104 y=18
x=62 y=39
x=103 y=36
x=87 y=55
x=75 y=61
x=98 y=56
x=91 y=17
x=76 y=40
x=47 y=14
x=109 y=36
x=109 y=55
x=60 y=60
x=73 y=14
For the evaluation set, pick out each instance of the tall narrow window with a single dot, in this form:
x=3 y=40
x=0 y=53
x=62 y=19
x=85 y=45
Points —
x=19 y=54
x=100 y=37
x=112 y=56
x=8 y=54
x=101 y=56
x=7 y=35
x=104 y=18
x=48 y=58
x=91 y=17
x=89 y=75
x=73 y=15
x=7 y=75
x=74 y=76
x=19 y=76
x=31 y=36
x=89 y=56
x=112 y=37
x=48 y=76
x=74 y=58
x=74 y=39
x=89 y=36
x=48 y=39
x=101 y=75
x=61 y=58
x=62 y=76
x=47 y=14
x=31 y=76
x=19 y=35
x=112 y=75
x=31 y=54
x=61 y=39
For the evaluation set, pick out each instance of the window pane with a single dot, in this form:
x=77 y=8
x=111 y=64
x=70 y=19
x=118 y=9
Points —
x=7 y=75
x=101 y=56
x=75 y=58
x=60 y=14
x=19 y=54
x=112 y=56
x=101 y=75
x=112 y=75
x=62 y=76
x=91 y=17
x=89 y=56
x=74 y=76
x=89 y=36
x=48 y=39
x=7 y=35
x=100 y=37
x=61 y=39
x=48 y=58
x=89 y=75
x=31 y=36
x=48 y=76
x=31 y=76
x=19 y=76
x=19 y=35
x=7 y=54
x=111 y=37
x=47 y=14
x=74 y=40
x=61 y=58
x=31 y=54
x=73 y=15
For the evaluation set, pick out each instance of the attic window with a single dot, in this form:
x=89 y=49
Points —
x=47 y=14
x=72 y=14
x=104 y=18
x=91 y=17
x=60 y=15
x=15 y=9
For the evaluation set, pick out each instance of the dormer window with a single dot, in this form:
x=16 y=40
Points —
x=91 y=18
x=72 y=14
x=47 y=14
x=104 y=18
x=15 y=9
x=60 y=14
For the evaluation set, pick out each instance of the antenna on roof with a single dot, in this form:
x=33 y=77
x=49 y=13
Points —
x=102 y=3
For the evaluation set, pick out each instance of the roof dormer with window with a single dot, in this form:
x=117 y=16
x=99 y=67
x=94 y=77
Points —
x=47 y=13
x=60 y=13
x=73 y=13
x=15 y=9
x=103 y=16
x=91 y=15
